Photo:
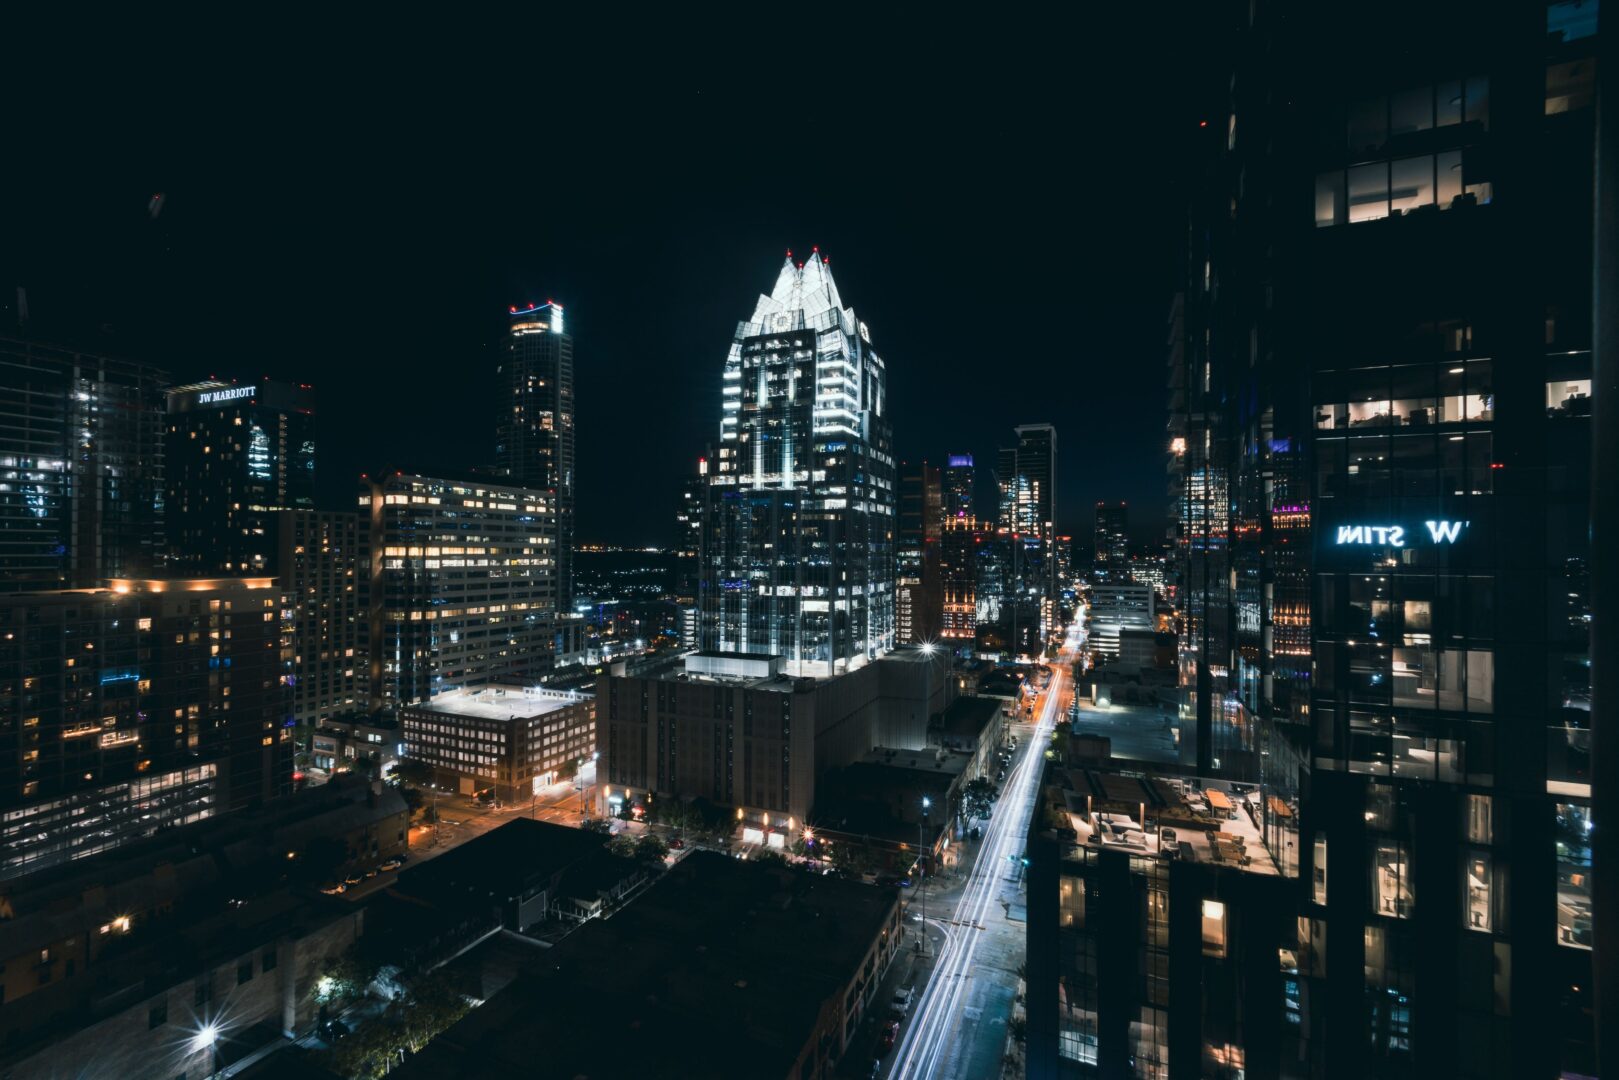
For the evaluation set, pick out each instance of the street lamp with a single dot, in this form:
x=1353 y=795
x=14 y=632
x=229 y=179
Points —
x=922 y=870
x=209 y=1037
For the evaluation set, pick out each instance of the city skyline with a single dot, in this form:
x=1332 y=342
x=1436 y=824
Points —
x=1147 y=616
x=651 y=278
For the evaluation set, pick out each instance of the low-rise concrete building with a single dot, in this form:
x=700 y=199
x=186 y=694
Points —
x=736 y=730
x=973 y=726
x=513 y=740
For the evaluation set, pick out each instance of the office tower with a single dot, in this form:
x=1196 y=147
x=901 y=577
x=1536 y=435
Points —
x=1112 y=536
x=958 y=481
x=81 y=492
x=1025 y=479
x=135 y=708
x=916 y=583
x=1037 y=464
x=323 y=571
x=798 y=554
x=1425 y=798
x=1005 y=486
x=688 y=551
x=234 y=457
x=1115 y=608
x=463 y=585
x=958 y=579
x=534 y=436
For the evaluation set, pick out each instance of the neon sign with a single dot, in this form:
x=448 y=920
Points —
x=1439 y=532
x=208 y=397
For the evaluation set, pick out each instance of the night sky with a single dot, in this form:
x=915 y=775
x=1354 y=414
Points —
x=1011 y=244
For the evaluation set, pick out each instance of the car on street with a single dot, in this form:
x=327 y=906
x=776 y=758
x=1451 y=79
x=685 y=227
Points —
x=334 y=888
x=392 y=864
x=677 y=843
x=900 y=1003
x=890 y=1033
x=353 y=880
x=333 y=1030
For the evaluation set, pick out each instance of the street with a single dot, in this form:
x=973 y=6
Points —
x=461 y=819
x=959 y=1026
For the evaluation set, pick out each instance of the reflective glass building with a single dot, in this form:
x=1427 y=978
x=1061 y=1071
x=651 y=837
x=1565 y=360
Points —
x=799 y=531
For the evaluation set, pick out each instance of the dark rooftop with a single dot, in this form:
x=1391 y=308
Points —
x=969 y=715
x=721 y=969
x=506 y=862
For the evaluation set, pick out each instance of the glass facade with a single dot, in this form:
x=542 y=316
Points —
x=798 y=548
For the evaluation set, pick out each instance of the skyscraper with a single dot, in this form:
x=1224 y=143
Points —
x=1006 y=488
x=958 y=482
x=1382 y=433
x=534 y=428
x=324 y=571
x=688 y=550
x=916 y=613
x=134 y=708
x=234 y=457
x=1112 y=535
x=463 y=585
x=1037 y=464
x=81 y=467
x=798 y=553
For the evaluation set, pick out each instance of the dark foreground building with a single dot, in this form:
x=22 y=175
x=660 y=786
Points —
x=1385 y=349
x=721 y=969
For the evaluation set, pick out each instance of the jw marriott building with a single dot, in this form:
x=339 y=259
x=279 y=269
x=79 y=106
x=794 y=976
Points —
x=798 y=537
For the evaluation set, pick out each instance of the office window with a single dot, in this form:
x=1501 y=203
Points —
x=1573 y=840
x=1368 y=126
x=1478 y=876
x=1368 y=192
x=157 y=1015
x=1318 y=881
x=267 y=962
x=1568 y=397
x=1411 y=184
x=1392 y=891
x=1411 y=111
x=1213 y=928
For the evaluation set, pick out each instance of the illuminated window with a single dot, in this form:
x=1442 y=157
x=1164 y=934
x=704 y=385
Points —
x=1213 y=928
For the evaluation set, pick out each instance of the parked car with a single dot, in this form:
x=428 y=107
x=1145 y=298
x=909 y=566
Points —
x=334 y=888
x=353 y=880
x=677 y=843
x=333 y=1030
x=900 y=1003
x=392 y=864
x=890 y=1033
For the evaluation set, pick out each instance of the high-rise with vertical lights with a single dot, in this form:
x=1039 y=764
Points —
x=916 y=595
x=133 y=708
x=234 y=456
x=534 y=434
x=798 y=554
x=1112 y=535
x=463 y=585
x=81 y=476
x=1390 y=358
x=1037 y=464
x=958 y=482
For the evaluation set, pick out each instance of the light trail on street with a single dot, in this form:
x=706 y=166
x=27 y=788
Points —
x=928 y=1041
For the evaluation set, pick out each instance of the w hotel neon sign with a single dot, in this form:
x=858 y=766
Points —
x=1439 y=532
